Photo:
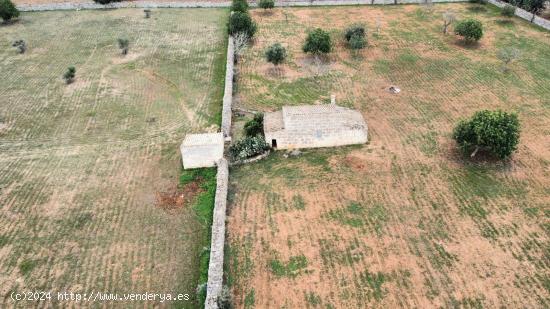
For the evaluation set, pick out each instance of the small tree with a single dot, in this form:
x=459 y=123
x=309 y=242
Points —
x=508 y=11
x=357 y=42
x=255 y=126
x=448 y=19
x=241 y=22
x=20 y=45
x=318 y=41
x=240 y=44
x=470 y=29
x=69 y=75
x=124 y=45
x=106 y=1
x=507 y=55
x=494 y=131
x=239 y=6
x=355 y=36
x=266 y=4
x=147 y=13
x=8 y=10
x=275 y=54
x=533 y=6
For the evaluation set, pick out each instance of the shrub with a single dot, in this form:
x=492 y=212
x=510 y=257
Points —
x=356 y=29
x=357 y=42
x=470 y=29
x=266 y=4
x=239 y=6
x=8 y=10
x=317 y=41
x=494 y=131
x=255 y=126
x=241 y=22
x=275 y=54
x=225 y=301
x=123 y=44
x=69 y=75
x=508 y=10
x=147 y=13
x=20 y=45
x=248 y=147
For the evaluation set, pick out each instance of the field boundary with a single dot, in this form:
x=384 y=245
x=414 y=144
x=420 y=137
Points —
x=228 y=90
x=521 y=13
x=205 y=4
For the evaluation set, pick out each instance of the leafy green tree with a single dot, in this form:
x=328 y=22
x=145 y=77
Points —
x=317 y=41
x=357 y=42
x=8 y=10
x=470 y=29
x=494 y=131
x=275 y=54
x=241 y=22
x=355 y=29
x=266 y=4
x=239 y=6
x=255 y=126
x=508 y=11
x=69 y=75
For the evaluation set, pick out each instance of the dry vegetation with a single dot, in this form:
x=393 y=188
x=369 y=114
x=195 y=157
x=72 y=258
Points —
x=85 y=168
x=404 y=221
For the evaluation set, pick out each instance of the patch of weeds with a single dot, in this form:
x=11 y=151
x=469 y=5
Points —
x=432 y=292
x=250 y=299
x=313 y=299
x=377 y=217
x=467 y=302
x=298 y=202
x=291 y=269
x=332 y=255
x=27 y=266
x=81 y=220
x=442 y=257
x=373 y=282
x=3 y=240
x=351 y=215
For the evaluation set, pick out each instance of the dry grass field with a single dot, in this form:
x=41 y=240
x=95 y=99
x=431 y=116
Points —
x=404 y=221
x=82 y=166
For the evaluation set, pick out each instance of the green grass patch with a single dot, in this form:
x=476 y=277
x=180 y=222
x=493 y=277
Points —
x=293 y=268
x=27 y=266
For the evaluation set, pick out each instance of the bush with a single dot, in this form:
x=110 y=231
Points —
x=241 y=22
x=239 y=6
x=123 y=44
x=266 y=4
x=356 y=29
x=494 y=131
x=69 y=75
x=8 y=10
x=275 y=54
x=20 y=45
x=508 y=10
x=470 y=29
x=248 y=147
x=255 y=126
x=318 y=41
x=357 y=42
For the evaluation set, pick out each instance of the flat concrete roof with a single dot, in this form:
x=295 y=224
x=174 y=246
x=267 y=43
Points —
x=203 y=139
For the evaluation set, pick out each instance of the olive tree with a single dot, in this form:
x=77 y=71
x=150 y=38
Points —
x=266 y=4
x=448 y=19
x=496 y=132
x=507 y=55
x=275 y=54
x=241 y=22
x=8 y=11
x=20 y=45
x=356 y=36
x=69 y=75
x=470 y=29
x=239 y=6
x=317 y=41
x=124 y=45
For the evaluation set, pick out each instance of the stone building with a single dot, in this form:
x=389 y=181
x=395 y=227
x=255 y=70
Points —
x=201 y=150
x=310 y=126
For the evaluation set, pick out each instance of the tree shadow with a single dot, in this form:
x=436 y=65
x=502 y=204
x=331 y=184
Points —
x=482 y=159
x=467 y=44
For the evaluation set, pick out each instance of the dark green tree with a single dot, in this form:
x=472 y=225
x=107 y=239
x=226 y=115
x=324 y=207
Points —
x=69 y=75
x=470 y=29
x=275 y=54
x=317 y=41
x=255 y=126
x=8 y=10
x=241 y=22
x=239 y=6
x=124 y=45
x=266 y=4
x=496 y=132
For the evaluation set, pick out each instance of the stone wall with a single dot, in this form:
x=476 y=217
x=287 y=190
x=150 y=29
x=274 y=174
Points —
x=215 y=267
x=228 y=91
x=521 y=13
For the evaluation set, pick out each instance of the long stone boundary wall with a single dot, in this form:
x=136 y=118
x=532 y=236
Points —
x=228 y=91
x=215 y=267
x=521 y=13
x=205 y=4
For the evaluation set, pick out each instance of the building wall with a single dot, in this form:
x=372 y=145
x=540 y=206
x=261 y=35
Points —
x=201 y=156
x=292 y=140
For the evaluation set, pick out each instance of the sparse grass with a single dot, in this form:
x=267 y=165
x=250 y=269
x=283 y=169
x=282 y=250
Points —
x=293 y=268
x=408 y=198
x=80 y=164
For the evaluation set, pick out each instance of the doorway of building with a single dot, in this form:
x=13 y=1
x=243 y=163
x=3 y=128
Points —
x=274 y=143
